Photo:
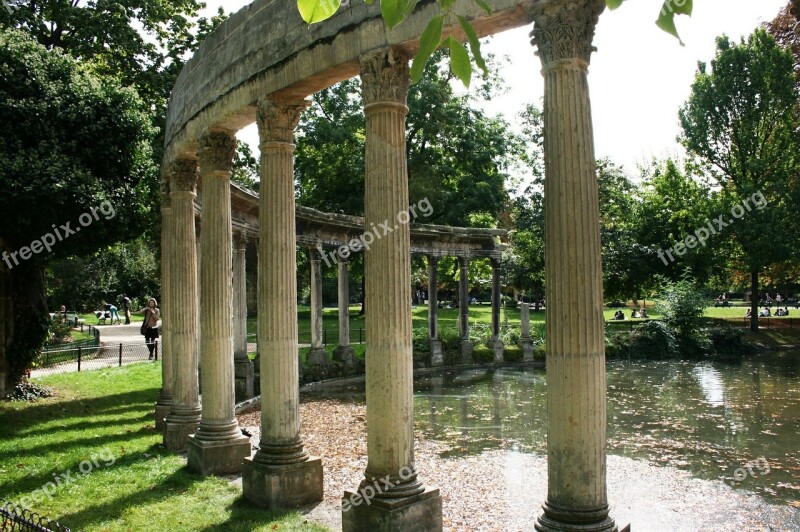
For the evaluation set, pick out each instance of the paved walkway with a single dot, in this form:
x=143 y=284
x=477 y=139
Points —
x=119 y=345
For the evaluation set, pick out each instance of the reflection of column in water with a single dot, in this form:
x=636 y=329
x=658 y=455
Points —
x=497 y=426
x=464 y=414
x=436 y=399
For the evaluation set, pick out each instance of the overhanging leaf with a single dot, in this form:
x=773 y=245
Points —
x=393 y=12
x=666 y=19
x=614 y=4
x=428 y=43
x=483 y=5
x=313 y=11
x=460 y=65
x=474 y=43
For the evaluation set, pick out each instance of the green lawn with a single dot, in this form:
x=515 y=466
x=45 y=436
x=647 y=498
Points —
x=482 y=314
x=102 y=421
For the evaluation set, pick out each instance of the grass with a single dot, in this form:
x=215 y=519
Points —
x=136 y=484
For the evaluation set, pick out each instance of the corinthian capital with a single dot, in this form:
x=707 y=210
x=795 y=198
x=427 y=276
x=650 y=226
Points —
x=564 y=30
x=217 y=149
x=277 y=119
x=384 y=76
x=183 y=175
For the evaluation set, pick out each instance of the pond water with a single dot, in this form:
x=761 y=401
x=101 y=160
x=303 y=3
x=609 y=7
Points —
x=736 y=422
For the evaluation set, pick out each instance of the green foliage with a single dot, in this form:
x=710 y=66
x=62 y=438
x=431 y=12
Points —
x=729 y=342
x=741 y=122
x=682 y=305
x=482 y=354
x=59 y=331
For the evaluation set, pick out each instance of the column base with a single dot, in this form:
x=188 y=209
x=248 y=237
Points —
x=421 y=512
x=317 y=357
x=556 y=519
x=345 y=355
x=177 y=432
x=217 y=457
x=244 y=374
x=282 y=486
x=466 y=352
x=498 y=347
x=163 y=407
x=437 y=356
x=527 y=349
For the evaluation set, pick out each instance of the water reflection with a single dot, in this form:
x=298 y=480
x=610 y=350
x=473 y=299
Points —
x=710 y=418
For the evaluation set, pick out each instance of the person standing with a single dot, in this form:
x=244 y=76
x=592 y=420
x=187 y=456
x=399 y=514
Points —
x=126 y=308
x=150 y=325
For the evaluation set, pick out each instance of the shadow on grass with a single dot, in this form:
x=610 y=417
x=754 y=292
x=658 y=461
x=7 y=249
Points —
x=91 y=425
x=31 y=415
x=244 y=517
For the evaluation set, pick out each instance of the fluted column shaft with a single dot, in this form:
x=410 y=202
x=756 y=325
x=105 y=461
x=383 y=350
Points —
x=463 y=296
x=344 y=303
x=167 y=239
x=277 y=287
x=185 y=409
x=216 y=291
x=316 y=298
x=576 y=387
x=387 y=267
x=495 y=299
x=240 y=297
x=433 y=298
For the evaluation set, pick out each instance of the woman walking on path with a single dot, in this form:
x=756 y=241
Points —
x=150 y=325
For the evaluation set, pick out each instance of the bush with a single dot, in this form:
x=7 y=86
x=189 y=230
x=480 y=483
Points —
x=421 y=340
x=512 y=353
x=729 y=342
x=682 y=306
x=652 y=340
x=482 y=354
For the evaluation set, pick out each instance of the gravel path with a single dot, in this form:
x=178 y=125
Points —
x=503 y=490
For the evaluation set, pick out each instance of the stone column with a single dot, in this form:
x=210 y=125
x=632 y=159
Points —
x=281 y=474
x=184 y=413
x=164 y=401
x=344 y=352
x=242 y=366
x=218 y=446
x=463 y=311
x=437 y=358
x=497 y=344
x=576 y=385
x=198 y=248
x=525 y=341
x=400 y=502
x=317 y=356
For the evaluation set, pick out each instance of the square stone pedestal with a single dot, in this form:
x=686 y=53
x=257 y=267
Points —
x=282 y=486
x=176 y=435
x=466 y=352
x=317 y=357
x=161 y=413
x=244 y=373
x=527 y=349
x=498 y=348
x=217 y=457
x=420 y=513
x=437 y=356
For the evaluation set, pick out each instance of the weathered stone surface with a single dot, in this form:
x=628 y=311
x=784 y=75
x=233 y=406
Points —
x=283 y=486
x=225 y=457
x=421 y=513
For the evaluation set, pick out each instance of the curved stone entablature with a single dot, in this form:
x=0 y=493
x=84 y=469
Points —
x=315 y=228
x=266 y=48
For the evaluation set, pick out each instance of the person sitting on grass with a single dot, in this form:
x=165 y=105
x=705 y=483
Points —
x=748 y=314
x=766 y=313
x=643 y=313
x=634 y=314
x=618 y=315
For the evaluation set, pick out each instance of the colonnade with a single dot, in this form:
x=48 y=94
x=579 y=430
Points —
x=282 y=473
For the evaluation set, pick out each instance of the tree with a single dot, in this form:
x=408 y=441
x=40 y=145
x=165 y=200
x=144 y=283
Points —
x=75 y=157
x=741 y=122
x=458 y=158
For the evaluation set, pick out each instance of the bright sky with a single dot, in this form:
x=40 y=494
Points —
x=639 y=77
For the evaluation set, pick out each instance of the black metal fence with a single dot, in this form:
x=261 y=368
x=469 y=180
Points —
x=14 y=518
x=86 y=358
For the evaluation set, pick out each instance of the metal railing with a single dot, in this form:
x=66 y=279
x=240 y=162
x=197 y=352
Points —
x=15 y=518
x=90 y=358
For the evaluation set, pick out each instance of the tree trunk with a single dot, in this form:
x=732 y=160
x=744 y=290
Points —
x=754 y=300
x=30 y=322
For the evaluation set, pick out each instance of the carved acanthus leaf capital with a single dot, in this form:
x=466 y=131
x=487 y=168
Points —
x=565 y=30
x=277 y=119
x=183 y=175
x=385 y=76
x=217 y=150
x=240 y=239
